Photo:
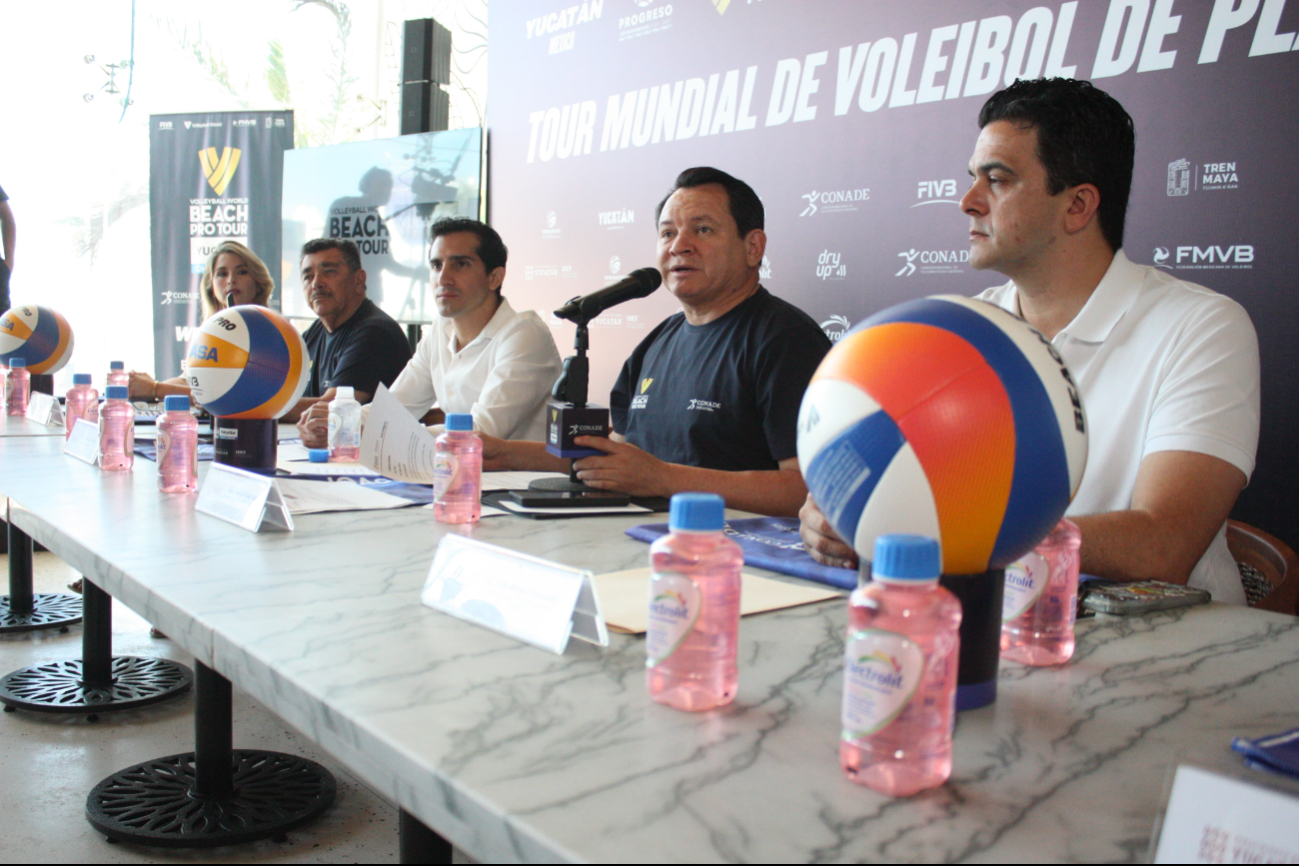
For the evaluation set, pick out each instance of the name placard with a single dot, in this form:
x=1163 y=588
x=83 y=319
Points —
x=83 y=444
x=44 y=409
x=246 y=499
x=536 y=601
x=1213 y=818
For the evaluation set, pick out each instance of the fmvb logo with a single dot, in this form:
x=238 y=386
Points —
x=936 y=192
x=219 y=170
x=1212 y=257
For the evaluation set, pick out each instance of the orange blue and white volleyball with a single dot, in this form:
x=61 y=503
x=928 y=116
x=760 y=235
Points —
x=38 y=335
x=946 y=417
x=247 y=362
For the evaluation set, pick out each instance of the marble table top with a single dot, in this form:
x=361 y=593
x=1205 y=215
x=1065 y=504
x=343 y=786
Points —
x=515 y=754
x=17 y=425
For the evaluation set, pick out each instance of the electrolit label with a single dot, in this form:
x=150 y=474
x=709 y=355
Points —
x=881 y=672
x=164 y=445
x=1026 y=579
x=674 y=607
x=445 y=466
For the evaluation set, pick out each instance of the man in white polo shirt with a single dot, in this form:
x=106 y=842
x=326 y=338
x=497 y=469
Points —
x=1168 y=370
x=480 y=356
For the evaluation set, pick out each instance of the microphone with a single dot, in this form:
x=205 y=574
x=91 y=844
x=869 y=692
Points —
x=638 y=284
x=229 y=295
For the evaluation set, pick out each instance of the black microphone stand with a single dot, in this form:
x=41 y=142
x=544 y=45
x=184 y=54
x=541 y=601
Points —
x=572 y=387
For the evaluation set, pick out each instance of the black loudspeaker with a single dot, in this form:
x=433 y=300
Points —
x=425 y=107
x=426 y=53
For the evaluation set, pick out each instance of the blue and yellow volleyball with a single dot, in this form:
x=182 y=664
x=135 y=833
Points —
x=946 y=417
x=247 y=362
x=38 y=335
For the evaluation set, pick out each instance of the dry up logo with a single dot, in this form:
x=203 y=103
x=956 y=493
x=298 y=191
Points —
x=219 y=170
x=840 y=200
x=829 y=266
x=932 y=261
x=835 y=327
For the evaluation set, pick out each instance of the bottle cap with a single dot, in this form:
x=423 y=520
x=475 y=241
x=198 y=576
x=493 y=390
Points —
x=318 y=455
x=17 y=362
x=117 y=365
x=460 y=422
x=175 y=402
x=344 y=392
x=906 y=558
x=115 y=392
x=80 y=378
x=697 y=512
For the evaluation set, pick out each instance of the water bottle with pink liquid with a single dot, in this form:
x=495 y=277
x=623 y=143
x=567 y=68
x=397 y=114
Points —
x=344 y=426
x=18 y=387
x=457 y=471
x=116 y=431
x=899 y=690
x=82 y=402
x=117 y=375
x=177 y=447
x=1040 y=601
x=694 y=608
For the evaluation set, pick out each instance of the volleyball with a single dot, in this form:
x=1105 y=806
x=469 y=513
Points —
x=247 y=362
x=946 y=417
x=38 y=335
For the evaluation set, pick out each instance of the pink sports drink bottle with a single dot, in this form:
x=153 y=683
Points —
x=116 y=431
x=694 y=608
x=82 y=402
x=457 y=471
x=18 y=387
x=1041 y=598
x=899 y=695
x=177 y=447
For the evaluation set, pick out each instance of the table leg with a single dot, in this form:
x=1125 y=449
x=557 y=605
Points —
x=97 y=681
x=419 y=844
x=215 y=795
x=23 y=610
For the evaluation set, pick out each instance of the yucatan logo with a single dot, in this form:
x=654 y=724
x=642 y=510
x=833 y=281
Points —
x=616 y=219
x=835 y=201
x=219 y=170
x=932 y=261
x=877 y=669
x=835 y=327
x=829 y=266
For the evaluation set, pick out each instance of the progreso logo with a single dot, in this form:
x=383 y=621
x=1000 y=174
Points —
x=219 y=170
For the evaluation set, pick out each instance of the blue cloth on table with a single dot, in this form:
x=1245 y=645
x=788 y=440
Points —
x=772 y=543
x=149 y=450
x=1276 y=752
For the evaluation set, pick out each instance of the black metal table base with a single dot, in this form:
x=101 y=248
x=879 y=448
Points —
x=214 y=795
x=61 y=687
x=97 y=682
x=419 y=844
x=21 y=610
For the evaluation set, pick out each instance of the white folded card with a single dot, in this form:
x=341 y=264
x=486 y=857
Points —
x=540 y=602
x=1213 y=818
x=44 y=409
x=243 y=498
x=83 y=444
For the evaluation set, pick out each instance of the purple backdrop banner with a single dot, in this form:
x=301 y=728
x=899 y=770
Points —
x=854 y=121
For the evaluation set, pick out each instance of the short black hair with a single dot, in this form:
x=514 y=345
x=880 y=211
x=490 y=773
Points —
x=746 y=207
x=350 y=253
x=491 y=249
x=1083 y=136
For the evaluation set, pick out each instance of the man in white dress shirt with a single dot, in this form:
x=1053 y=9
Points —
x=479 y=356
x=1168 y=370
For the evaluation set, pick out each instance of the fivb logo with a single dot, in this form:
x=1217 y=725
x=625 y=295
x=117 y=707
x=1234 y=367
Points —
x=1235 y=257
x=219 y=170
x=936 y=192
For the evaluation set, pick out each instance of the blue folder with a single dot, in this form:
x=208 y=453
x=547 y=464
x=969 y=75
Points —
x=772 y=543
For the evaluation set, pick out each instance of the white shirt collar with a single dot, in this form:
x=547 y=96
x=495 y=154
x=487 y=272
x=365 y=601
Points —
x=499 y=320
x=1110 y=301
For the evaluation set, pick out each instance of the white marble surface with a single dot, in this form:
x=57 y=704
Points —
x=518 y=755
x=17 y=425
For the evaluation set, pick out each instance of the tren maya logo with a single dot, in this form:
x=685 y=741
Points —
x=219 y=170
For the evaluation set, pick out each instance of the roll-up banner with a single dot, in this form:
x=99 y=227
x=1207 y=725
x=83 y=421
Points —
x=212 y=177
x=854 y=121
